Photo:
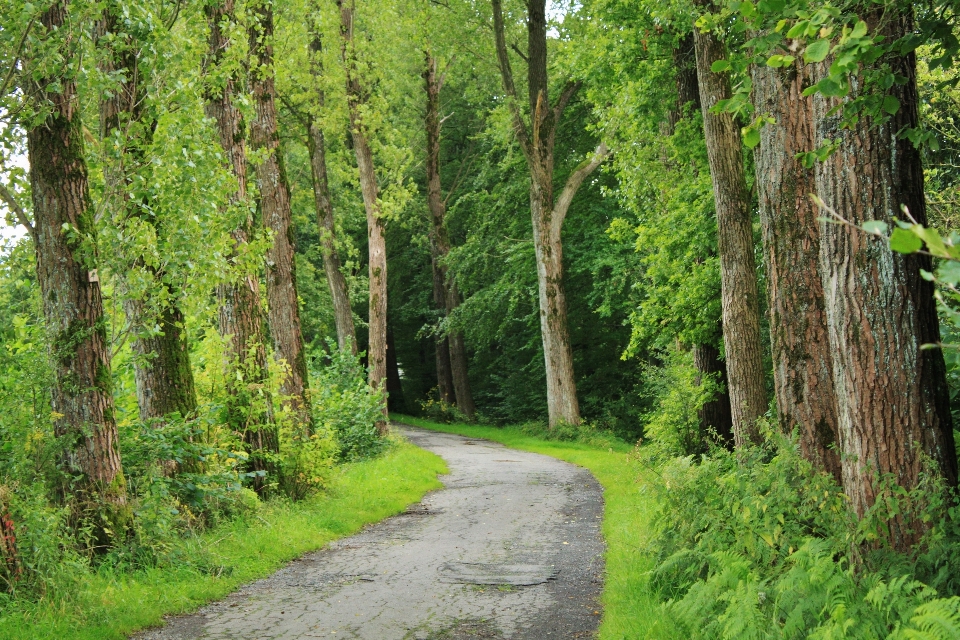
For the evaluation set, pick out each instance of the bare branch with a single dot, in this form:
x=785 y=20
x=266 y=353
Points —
x=576 y=178
x=569 y=90
x=506 y=73
x=16 y=57
x=513 y=45
x=18 y=211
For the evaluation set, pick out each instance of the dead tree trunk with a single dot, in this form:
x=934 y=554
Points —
x=72 y=305
x=440 y=242
x=283 y=312
x=248 y=410
x=738 y=269
x=893 y=407
x=162 y=371
x=802 y=368
x=316 y=145
x=547 y=214
x=377 y=248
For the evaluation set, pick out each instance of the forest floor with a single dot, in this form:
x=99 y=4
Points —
x=510 y=548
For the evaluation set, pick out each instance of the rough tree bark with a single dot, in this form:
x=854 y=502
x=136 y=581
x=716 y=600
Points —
x=164 y=378
x=63 y=213
x=283 y=312
x=440 y=243
x=442 y=350
x=316 y=145
x=802 y=367
x=376 y=244
x=547 y=214
x=240 y=322
x=892 y=400
x=738 y=270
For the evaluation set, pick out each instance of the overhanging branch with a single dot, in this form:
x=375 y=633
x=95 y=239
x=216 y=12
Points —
x=576 y=178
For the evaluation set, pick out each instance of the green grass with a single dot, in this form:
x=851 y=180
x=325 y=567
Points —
x=107 y=605
x=631 y=610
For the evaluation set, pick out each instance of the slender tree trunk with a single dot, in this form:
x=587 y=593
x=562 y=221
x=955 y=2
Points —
x=164 y=378
x=892 y=400
x=376 y=244
x=440 y=243
x=738 y=269
x=63 y=230
x=547 y=215
x=688 y=89
x=316 y=145
x=444 y=373
x=802 y=367
x=283 y=312
x=248 y=408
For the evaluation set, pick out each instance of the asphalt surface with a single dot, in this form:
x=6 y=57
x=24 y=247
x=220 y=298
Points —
x=509 y=548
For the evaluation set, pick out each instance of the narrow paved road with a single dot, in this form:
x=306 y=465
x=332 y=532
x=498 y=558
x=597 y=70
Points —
x=510 y=548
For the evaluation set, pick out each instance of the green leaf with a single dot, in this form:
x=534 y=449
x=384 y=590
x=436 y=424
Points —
x=817 y=51
x=891 y=105
x=949 y=272
x=751 y=136
x=875 y=227
x=720 y=66
x=905 y=241
x=797 y=30
x=859 y=30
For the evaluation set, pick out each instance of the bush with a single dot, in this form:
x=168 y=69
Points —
x=345 y=405
x=585 y=433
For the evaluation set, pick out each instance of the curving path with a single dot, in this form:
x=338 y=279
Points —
x=510 y=548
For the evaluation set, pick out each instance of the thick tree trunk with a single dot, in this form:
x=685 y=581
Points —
x=440 y=244
x=376 y=244
x=82 y=403
x=444 y=373
x=688 y=89
x=537 y=144
x=802 y=367
x=715 y=416
x=738 y=269
x=892 y=400
x=316 y=145
x=164 y=378
x=248 y=408
x=283 y=312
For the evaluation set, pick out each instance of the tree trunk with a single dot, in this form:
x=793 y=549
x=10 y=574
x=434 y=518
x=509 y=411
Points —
x=715 y=414
x=444 y=373
x=440 y=243
x=339 y=292
x=547 y=216
x=892 y=400
x=395 y=399
x=802 y=368
x=738 y=269
x=688 y=89
x=164 y=378
x=248 y=407
x=82 y=402
x=376 y=245
x=283 y=313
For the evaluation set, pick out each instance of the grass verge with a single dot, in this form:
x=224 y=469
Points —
x=108 y=605
x=631 y=610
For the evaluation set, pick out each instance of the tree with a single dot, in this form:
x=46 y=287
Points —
x=893 y=408
x=802 y=367
x=316 y=146
x=240 y=322
x=282 y=301
x=738 y=271
x=70 y=287
x=547 y=214
x=377 y=249
x=446 y=294
x=128 y=119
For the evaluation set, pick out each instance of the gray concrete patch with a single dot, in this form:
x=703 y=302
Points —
x=510 y=548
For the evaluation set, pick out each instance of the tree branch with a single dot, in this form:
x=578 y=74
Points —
x=506 y=73
x=569 y=90
x=576 y=178
x=520 y=53
x=18 y=211
x=16 y=57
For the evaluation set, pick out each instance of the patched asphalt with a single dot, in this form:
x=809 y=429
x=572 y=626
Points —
x=509 y=548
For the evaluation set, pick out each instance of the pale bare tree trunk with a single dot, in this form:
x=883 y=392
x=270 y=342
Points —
x=802 y=368
x=164 y=378
x=316 y=145
x=377 y=248
x=892 y=399
x=440 y=244
x=240 y=321
x=738 y=269
x=82 y=403
x=283 y=312
x=547 y=215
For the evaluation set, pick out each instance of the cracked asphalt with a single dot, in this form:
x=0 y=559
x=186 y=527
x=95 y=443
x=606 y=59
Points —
x=509 y=548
